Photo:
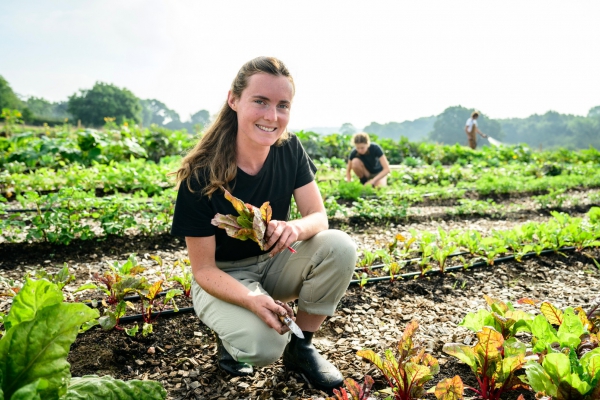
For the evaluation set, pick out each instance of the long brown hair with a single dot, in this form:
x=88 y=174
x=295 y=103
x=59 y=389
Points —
x=215 y=153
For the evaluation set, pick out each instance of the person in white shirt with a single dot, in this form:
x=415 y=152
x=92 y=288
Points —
x=472 y=130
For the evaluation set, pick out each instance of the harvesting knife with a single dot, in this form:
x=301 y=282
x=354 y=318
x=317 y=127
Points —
x=292 y=325
x=290 y=322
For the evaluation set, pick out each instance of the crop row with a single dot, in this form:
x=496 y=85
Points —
x=484 y=183
x=405 y=184
x=133 y=175
x=55 y=148
x=60 y=217
x=70 y=213
x=424 y=251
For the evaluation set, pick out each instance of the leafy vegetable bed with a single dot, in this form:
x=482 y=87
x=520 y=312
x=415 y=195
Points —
x=180 y=351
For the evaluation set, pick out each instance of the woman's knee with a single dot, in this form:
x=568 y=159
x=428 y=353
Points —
x=260 y=348
x=342 y=249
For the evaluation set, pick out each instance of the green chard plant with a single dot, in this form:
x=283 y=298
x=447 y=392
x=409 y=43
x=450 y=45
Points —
x=40 y=329
x=183 y=277
x=568 y=363
x=501 y=316
x=408 y=369
x=362 y=278
x=562 y=376
x=493 y=360
x=575 y=333
x=118 y=282
x=60 y=278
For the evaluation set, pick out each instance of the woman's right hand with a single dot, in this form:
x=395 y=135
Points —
x=267 y=310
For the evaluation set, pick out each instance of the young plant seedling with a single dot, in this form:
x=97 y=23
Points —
x=60 y=278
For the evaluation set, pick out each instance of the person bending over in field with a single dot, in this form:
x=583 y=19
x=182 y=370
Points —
x=367 y=161
x=472 y=130
x=238 y=289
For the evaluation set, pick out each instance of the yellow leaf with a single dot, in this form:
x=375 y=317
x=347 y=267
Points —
x=584 y=319
x=450 y=389
x=552 y=314
x=266 y=212
x=238 y=204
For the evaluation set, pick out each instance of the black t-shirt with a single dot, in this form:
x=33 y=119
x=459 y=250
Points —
x=286 y=168
x=370 y=158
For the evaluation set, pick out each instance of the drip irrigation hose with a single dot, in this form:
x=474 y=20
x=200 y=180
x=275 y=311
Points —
x=458 y=267
x=166 y=314
x=185 y=310
x=136 y=297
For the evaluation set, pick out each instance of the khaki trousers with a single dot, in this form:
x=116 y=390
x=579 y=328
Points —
x=317 y=275
x=472 y=136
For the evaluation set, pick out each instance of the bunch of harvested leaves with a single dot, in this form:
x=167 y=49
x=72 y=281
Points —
x=251 y=223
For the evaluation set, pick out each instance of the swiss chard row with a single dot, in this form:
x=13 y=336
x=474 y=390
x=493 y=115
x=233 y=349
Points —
x=560 y=358
x=425 y=251
x=123 y=287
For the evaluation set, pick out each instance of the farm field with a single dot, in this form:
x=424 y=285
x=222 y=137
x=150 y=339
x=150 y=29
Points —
x=454 y=226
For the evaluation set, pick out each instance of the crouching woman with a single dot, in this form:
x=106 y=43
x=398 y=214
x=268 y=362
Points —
x=238 y=288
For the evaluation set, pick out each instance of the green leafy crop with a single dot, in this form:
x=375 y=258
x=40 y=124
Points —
x=493 y=360
x=564 y=378
x=406 y=370
x=40 y=329
x=501 y=316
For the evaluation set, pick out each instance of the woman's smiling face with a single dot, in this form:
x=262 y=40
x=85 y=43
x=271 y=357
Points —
x=263 y=109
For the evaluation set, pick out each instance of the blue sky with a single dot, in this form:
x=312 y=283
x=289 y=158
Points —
x=353 y=61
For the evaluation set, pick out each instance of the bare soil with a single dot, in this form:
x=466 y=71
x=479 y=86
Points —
x=181 y=351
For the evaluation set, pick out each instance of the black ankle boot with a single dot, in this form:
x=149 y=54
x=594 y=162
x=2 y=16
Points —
x=228 y=364
x=300 y=355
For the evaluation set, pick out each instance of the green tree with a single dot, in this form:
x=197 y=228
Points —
x=594 y=112
x=156 y=112
x=104 y=100
x=43 y=108
x=549 y=130
x=449 y=126
x=202 y=117
x=347 y=129
x=8 y=98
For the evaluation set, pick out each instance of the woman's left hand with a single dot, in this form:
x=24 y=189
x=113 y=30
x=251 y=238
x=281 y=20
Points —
x=281 y=234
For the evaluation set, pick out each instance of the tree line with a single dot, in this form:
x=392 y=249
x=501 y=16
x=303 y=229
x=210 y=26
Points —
x=93 y=106
x=550 y=130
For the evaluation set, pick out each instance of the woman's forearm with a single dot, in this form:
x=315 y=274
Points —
x=223 y=286
x=381 y=174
